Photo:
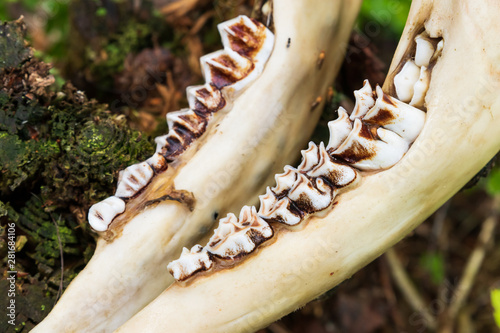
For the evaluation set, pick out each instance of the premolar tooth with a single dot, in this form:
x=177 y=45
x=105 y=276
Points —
x=405 y=80
x=337 y=174
x=285 y=180
x=424 y=50
x=235 y=238
x=102 y=213
x=157 y=162
x=205 y=98
x=401 y=118
x=187 y=119
x=310 y=157
x=420 y=88
x=310 y=198
x=267 y=202
x=190 y=262
x=364 y=152
x=364 y=101
x=133 y=179
x=339 y=129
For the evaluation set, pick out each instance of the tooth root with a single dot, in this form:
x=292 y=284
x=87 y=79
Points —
x=235 y=238
x=424 y=50
x=364 y=101
x=420 y=88
x=282 y=212
x=339 y=129
x=308 y=198
x=339 y=175
x=401 y=118
x=190 y=262
x=205 y=99
x=248 y=38
x=285 y=180
x=310 y=157
x=157 y=162
x=405 y=80
x=102 y=213
x=133 y=179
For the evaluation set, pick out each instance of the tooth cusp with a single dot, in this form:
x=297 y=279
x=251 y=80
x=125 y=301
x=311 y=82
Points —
x=238 y=237
x=190 y=262
x=102 y=213
x=133 y=179
x=309 y=197
x=285 y=180
x=339 y=129
x=205 y=99
x=337 y=174
x=424 y=50
x=405 y=80
x=364 y=101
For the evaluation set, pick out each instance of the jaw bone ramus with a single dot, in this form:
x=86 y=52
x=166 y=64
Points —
x=459 y=136
x=265 y=127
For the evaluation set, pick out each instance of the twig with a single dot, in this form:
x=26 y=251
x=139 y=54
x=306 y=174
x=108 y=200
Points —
x=62 y=260
x=473 y=264
x=408 y=289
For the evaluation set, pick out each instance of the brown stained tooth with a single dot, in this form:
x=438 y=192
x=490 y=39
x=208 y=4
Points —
x=191 y=261
x=234 y=238
x=364 y=101
x=339 y=129
x=133 y=179
x=310 y=158
x=247 y=37
x=267 y=202
x=205 y=99
x=311 y=197
x=364 y=152
x=337 y=174
x=187 y=119
x=285 y=180
x=283 y=212
x=401 y=118
x=157 y=162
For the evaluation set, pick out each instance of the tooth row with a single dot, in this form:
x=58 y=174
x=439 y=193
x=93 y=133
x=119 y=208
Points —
x=376 y=136
x=413 y=80
x=247 y=47
x=234 y=238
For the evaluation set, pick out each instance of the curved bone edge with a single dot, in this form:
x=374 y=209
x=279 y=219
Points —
x=339 y=129
x=237 y=237
x=365 y=100
x=133 y=179
x=362 y=151
x=405 y=80
x=420 y=88
x=247 y=37
x=102 y=213
x=399 y=117
x=132 y=266
x=191 y=261
x=300 y=266
x=424 y=50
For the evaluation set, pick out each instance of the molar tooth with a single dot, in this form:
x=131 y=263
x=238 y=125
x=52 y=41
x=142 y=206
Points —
x=248 y=37
x=190 y=262
x=405 y=80
x=424 y=50
x=401 y=118
x=364 y=152
x=364 y=101
x=207 y=95
x=234 y=238
x=310 y=157
x=133 y=179
x=339 y=129
x=157 y=162
x=420 y=88
x=309 y=198
x=267 y=202
x=187 y=119
x=337 y=174
x=282 y=212
x=102 y=213
x=285 y=180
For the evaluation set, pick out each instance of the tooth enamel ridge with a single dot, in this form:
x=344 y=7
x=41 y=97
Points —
x=247 y=45
x=191 y=261
x=102 y=213
x=376 y=135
